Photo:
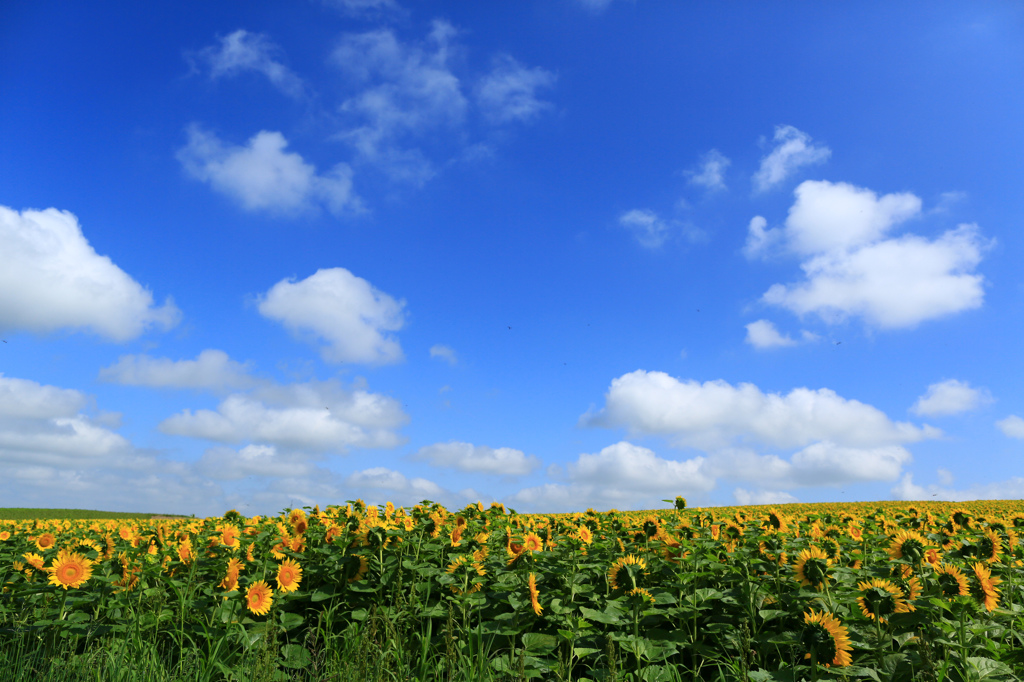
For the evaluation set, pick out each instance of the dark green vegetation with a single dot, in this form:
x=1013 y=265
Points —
x=881 y=591
x=28 y=513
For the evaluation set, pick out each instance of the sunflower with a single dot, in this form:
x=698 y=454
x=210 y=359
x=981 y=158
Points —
x=907 y=545
x=952 y=582
x=585 y=535
x=5 y=535
x=881 y=599
x=989 y=546
x=825 y=636
x=289 y=575
x=855 y=532
x=69 y=570
x=456 y=535
x=259 y=597
x=230 y=581
x=642 y=595
x=45 y=541
x=985 y=590
x=961 y=517
x=360 y=571
x=34 y=560
x=622 y=573
x=534 y=595
x=228 y=536
x=533 y=543
x=812 y=568
x=777 y=521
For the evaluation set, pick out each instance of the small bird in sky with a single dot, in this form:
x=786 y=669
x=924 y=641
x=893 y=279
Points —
x=507 y=326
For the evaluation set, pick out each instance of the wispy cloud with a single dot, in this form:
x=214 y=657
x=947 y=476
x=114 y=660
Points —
x=793 y=149
x=509 y=92
x=243 y=51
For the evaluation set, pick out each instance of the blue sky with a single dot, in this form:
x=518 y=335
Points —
x=559 y=254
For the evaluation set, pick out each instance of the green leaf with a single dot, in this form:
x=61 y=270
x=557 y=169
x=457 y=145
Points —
x=599 y=616
x=360 y=614
x=290 y=621
x=320 y=595
x=294 y=656
x=581 y=651
x=537 y=643
x=988 y=669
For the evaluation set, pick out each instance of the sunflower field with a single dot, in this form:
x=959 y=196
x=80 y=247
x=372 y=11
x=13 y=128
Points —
x=867 y=591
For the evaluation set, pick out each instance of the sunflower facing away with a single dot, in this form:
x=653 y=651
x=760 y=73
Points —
x=620 y=576
x=289 y=575
x=880 y=599
x=259 y=597
x=985 y=591
x=952 y=582
x=69 y=570
x=826 y=637
x=812 y=568
x=907 y=545
x=534 y=595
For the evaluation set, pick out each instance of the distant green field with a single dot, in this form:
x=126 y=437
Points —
x=22 y=513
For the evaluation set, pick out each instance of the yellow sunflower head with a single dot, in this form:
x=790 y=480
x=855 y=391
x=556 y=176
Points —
x=880 y=599
x=534 y=594
x=259 y=597
x=69 y=570
x=625 y=571
x=289 y=575
x=45 y=541
x=826 y=638
x=951 y=581
x=811 y=568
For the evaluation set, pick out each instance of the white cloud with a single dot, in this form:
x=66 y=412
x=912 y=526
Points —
x=827 y=216
x=51 y=278
x=313 y=417
x=623 y=476
x=1012 y=426
x=227 y=464
x=712 y=171
x=763 y=334
x=950 y=397
x=479 y=458
x=895 y=283
x=211 y=370
x=650 y=230
x=747 y=497
x=793 y=149
x=263 y=176
x=851 y=269
x=244 y=51
x=409 y=91
x=759 y=240
x=346 y=311
x=443 y=352
x=381 y=482
x=1010 y=489
x=21 y=398
x=716 y=414
x=509 y=92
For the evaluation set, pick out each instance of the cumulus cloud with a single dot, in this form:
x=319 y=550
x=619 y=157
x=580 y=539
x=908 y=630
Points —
x=711 y=174
x=950 y=397
x=51 y=278
x=793 y=149
x=346 y=311
x=759 y=240
x=716 y=414
x=479 y=458
x=211 y=370
x=402 y=490
x=650 y=230
x=244 y=51
x=763 y=334
x=622 y=475
x=509 y=92
x=827 y=216
x=48 y=443
x=1012 y=426
x=1009 y=489
x=852 y=269
x=228 y=464
x=262 y=176
x=443 y=352
x=312 y=417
